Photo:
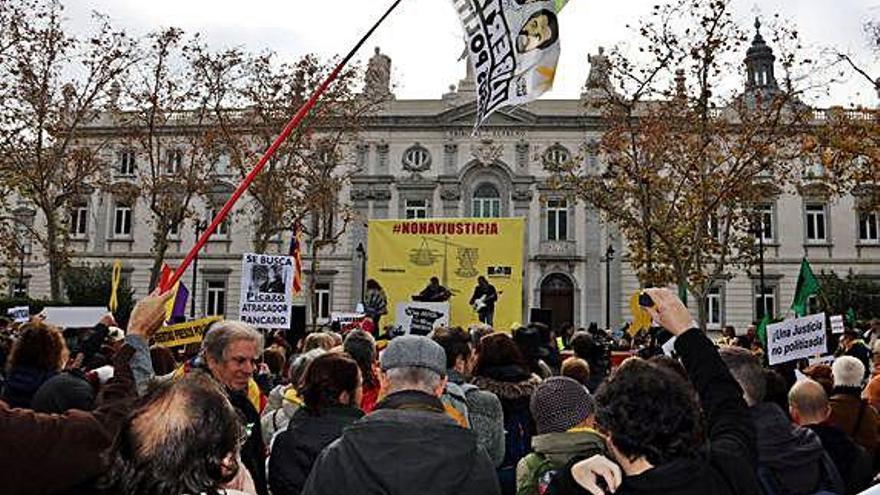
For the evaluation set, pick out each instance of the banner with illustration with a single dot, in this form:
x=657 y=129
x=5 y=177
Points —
x=266 y=290
x=403 y=255
x=513 y=47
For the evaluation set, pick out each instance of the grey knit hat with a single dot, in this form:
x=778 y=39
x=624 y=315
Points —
x=559 y=404
x=412 y=351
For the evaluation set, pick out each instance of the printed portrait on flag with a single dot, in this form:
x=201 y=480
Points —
x=513 y=46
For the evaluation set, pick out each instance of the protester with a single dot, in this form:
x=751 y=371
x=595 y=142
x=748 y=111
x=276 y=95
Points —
x=528 y=339
x=318 y=339
x=361 y=346
x=230 y=350
x=564 y=414
x=576 y=369
x=331 y=391
x=502 y=370
x=50 y=453
x=790 y=458
x=284 y=400
x=852 y=345
x=652 y=421
x=408 y=444
x=588 y=348
x=183 y=438
x=39 y=354
x=821 y=374
x=849 y=411
x=375 y=303
x=728 y=336
x=162 y=359
x=872 y=389
x=70 y=389
x=808 y=407
x=482 y=409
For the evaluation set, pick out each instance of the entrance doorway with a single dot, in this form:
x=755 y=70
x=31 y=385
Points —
x=557 y=295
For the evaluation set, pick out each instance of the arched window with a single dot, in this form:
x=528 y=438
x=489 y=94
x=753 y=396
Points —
x=487 y=202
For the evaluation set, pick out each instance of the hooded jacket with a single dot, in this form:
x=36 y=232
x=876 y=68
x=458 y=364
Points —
x=408 y=445
x=282 y=404
x=554 y=451
x=295 y=449
x=793 y=454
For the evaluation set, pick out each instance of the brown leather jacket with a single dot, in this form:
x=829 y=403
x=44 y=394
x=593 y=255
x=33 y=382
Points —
x=52 y=453
x=845 y=407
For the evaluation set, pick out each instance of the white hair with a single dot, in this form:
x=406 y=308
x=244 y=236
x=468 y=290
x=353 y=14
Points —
x=223 y=333
x=848 y=371
x=412 y=378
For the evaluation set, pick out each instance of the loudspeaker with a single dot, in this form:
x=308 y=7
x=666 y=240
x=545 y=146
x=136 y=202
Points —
x=297 y=325
x=538 y=315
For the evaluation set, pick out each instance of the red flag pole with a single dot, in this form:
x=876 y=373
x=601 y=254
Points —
x=288 y=129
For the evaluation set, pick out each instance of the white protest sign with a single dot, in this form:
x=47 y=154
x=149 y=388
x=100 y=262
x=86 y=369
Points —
x=266 y=290
x=829 y=360
x=69 y=317
x=19 y=314
x=420 y=318
x=837 y=324
x=796 y=339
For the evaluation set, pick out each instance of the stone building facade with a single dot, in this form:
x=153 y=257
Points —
x=419 y=159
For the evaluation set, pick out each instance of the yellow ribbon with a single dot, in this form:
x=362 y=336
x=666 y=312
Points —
x=114 y=285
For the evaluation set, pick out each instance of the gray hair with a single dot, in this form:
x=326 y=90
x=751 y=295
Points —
x=219 y=337
x=747 y=371
x=847 y=371
x=412 y=378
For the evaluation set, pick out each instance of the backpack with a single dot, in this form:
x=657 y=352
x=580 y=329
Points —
x=518 y=431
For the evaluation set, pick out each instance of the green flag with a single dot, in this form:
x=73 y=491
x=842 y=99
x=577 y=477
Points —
x=807 y=285
x=851 y=317
x=762 y=330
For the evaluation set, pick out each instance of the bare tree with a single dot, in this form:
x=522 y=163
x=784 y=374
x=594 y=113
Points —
x=172 y=126
x=688 y=157
x=54 y=83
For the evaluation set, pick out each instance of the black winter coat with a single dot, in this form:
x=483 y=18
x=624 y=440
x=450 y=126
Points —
x=295 y=450
x=253 y=452
x=407 y=445
x=726 y=464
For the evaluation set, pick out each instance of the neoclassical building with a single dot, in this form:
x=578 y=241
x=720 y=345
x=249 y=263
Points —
x=419 y=159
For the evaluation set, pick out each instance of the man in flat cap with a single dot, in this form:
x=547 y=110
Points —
x=408 y=444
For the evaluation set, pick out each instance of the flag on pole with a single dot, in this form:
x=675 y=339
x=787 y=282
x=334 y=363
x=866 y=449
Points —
x=296 y=254
x=175 y=308
x=807 y=285
x=513 y=48
x=762 y=330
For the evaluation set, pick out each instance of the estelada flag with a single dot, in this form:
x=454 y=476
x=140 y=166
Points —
x=296 y=254
x=513 y=47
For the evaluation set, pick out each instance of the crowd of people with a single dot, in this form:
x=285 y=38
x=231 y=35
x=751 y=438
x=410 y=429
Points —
x=460 y=411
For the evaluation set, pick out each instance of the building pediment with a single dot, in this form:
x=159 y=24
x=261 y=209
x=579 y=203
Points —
x=466 y=114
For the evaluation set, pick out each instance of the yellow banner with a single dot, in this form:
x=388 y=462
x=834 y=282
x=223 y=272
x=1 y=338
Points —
x=405 y=254
x=190 y=332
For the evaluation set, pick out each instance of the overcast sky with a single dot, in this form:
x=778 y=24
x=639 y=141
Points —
x=423 y=37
